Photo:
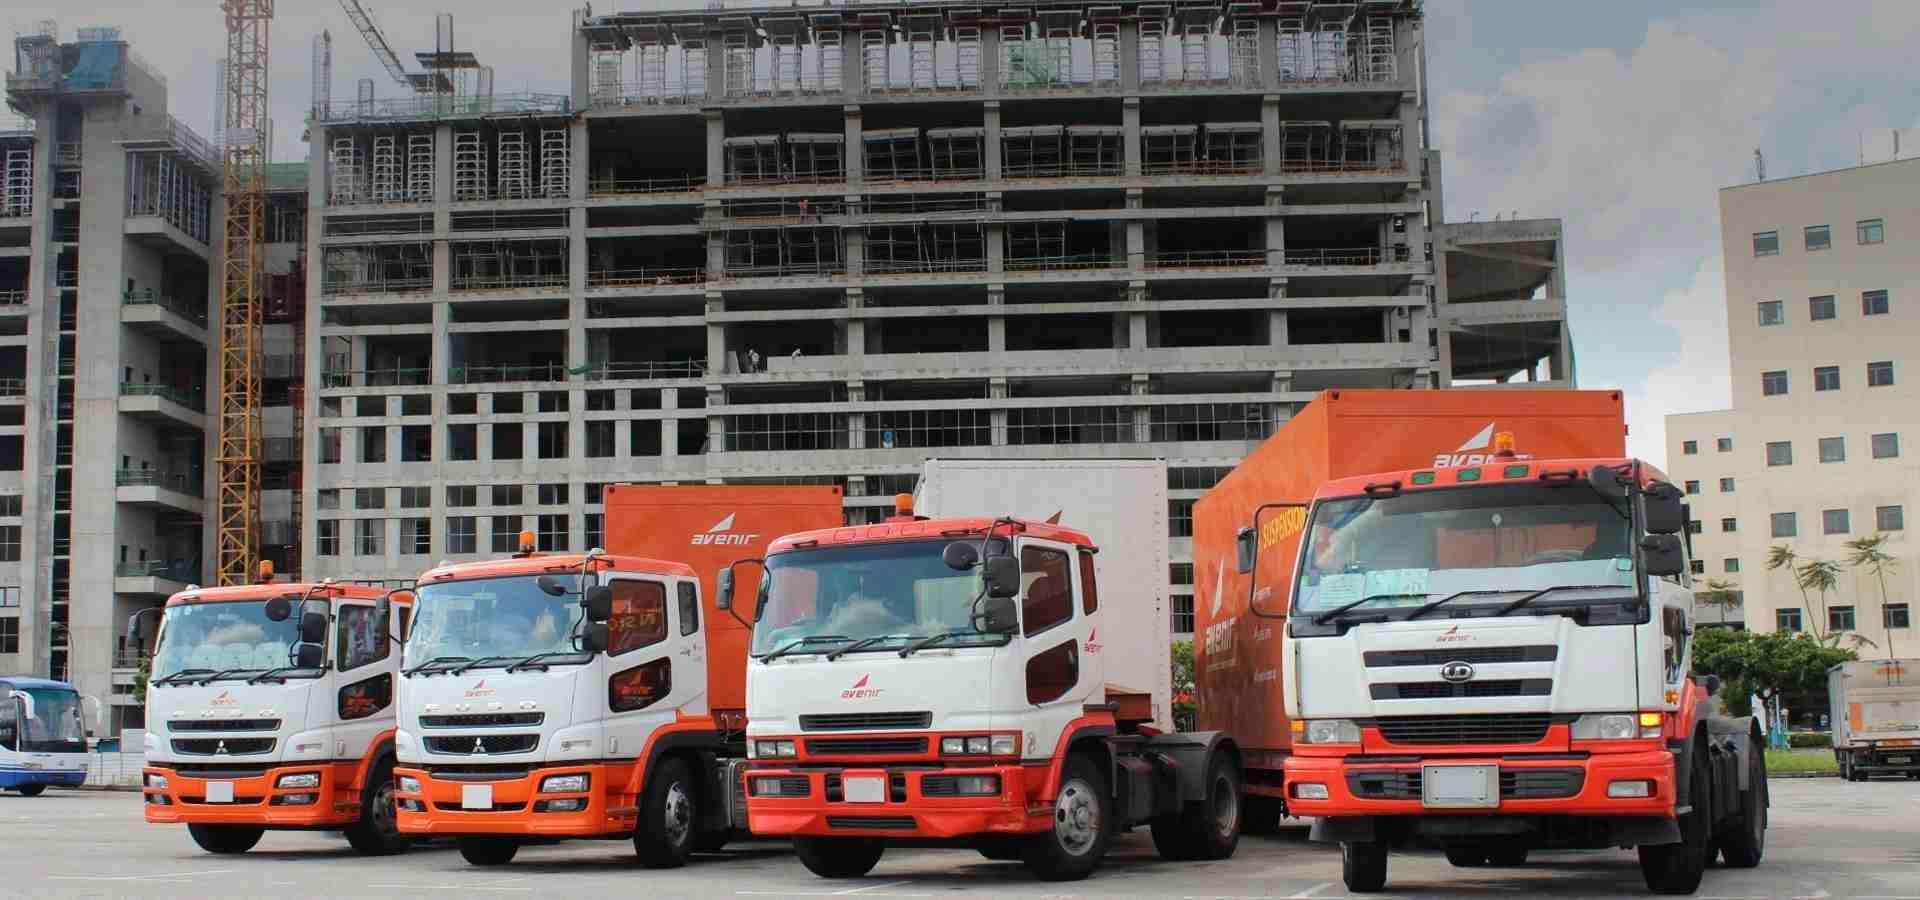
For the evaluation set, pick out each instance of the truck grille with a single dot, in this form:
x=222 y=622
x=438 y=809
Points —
x=1503 y=728
x=872 y=823
x=1515 y=784
x=865 y=721
x=222 y=746
x=1475 y=655
x=217 y=772
x=483 y=720
x=497 y=807
x=866 y=746
x=1441 y=690
x=478 y=773
x=481 y=744
x=224 y=725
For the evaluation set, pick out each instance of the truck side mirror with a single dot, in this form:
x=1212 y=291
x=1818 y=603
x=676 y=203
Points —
x=308 y=654
x=133 y=629
x=279 y=608
x=1662 y=509
x=723 y=591
x=1660 y=553
x=960 y=556
x=1000 y=615
x=1606 y=482
x=1247 y=549
x=313 y=628
x=551 y=586
x=598 y=603
x=594 y=638
x=1002 y=575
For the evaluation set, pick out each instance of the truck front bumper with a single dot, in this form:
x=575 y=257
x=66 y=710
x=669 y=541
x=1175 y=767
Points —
x=257 y=799
x=451 y=802
x=18 y=778
x=918 y=804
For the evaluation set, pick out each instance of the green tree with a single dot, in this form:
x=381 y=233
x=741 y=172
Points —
x=140 y=680
x=1720 y=595
x=1868 y=554
x=1781 y=556
x=1763 y=664
x=1183 y=707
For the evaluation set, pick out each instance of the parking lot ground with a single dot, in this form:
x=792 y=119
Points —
x=1830 y=839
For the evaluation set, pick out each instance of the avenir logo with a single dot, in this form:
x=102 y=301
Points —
x=860 y=691
x=225 y=698
x=1452 y=635
x=1476 y=451
x=1093 y=641
x=722 y=534
x=480 y=689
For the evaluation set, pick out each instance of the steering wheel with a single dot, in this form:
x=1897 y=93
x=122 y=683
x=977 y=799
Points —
x=1555 y=556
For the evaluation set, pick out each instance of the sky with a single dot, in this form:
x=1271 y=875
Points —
x=1624 y=118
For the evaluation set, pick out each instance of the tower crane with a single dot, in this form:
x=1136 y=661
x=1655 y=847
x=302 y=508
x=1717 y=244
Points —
x=244 y=166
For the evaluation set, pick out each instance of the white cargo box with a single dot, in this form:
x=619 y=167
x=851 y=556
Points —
x=1874 y=700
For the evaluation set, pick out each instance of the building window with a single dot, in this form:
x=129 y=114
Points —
x=9 y=543
x=554 y=494
x=460 y=535
x=553 y=440
x=1870 y=231
x=1697 y=566
x=1834 y=521
x=1731 y=565
x=1833 y=449
x=373 y=444
x=1772 y=312
x=507 y=440
x=1729 y=524
x=1180 y=573
x=1785 y=525
x=1895 y=615
x=1766 y=243
x=1886 y=446
x=1724 y=445
x=10 y=633
x=1689 y=447
x=1879 y=374
x=10 y=597
x=1840 y=618
x=416 y=497
x=463 y=443
x=463 y=495
x=327 y=542
x=1819 y=237
x=416 y=536
x=369 y=537
x=10 y=505
x=1180 y=518
x=1773 y=384
x=595 y=490
x=1182 y=613
x=329 y=446
x=596 y=530
x=1726 y=485
x=1820 y=309
x=506 y=495
x=552 y=532
x=1779 y=453
x=1826 y=378
x=1890 y=518
x=1873 y=303
x=369 y=498
x=1786 y=619
x=1693 y=526
x=1693 y=487
x=506 y=534
x=599 y=439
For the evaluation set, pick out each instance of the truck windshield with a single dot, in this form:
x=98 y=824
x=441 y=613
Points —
x=232 y=637
x=50 y=723
x=881 y=596
x=1495 y=541
x=492 y=622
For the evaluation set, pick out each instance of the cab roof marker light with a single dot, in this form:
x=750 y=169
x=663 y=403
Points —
x=1423 y=478
x=1467 y=475
x=1515 y=472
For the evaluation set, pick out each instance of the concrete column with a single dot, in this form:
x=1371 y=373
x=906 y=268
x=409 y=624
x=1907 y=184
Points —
x=856 y=422
x=716 y=70
x=441 y=346
x=578 y=153
x=1276 y=241
x=716 y=148
x=996 y=248
x=1269 y=131
x=1137 y=331
x=1141 y=386
x=990 y=140
x=1130 y=58
x=997 y=320
x=442 y=174
x=579 y=58
x=856 y=251
x=853 y=70
x=1130 y=119
x=530 y=461
x=1269 y=53
x=577 y=354
x=990 y=61
x=669 y=425
x=997 y=417
x=853 y=144
x=1277 y=327
x=856 y=327
x=716 y=426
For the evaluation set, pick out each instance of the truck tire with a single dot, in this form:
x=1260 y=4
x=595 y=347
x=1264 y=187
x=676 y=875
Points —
x=1507 y=857
x=226 y=839
x=1363 y=866
x=712 y=841
x=668 y=811
x=1074 y=846
x=378 y=833
x=838 y=857
x=488 y=851
x=1466 y=857
x=1000 y=849
x=1746 y=841
x=1209 y=829
x=31 y=790
x=1677 y=868
x=1261 y=815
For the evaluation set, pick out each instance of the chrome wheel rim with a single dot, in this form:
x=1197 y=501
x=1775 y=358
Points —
x=383 y=813
x=679 y=814
x=1226 y=806
x=1076 y=817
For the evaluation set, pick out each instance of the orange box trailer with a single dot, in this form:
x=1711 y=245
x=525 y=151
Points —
x=1343 y=433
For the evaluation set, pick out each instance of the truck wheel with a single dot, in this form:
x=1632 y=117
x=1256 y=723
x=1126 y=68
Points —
x=1466 y=857
x=1073 y=847
x=1209 y=829
x=31 y=790
x=711 y=841
x=1261 y=815
x=1747 y=841
x=664 y=839
x=1000 y=849
x=838 y=857
x=488 y=851
x=1677 y=868
x=225 y=839
x=1507 y=856
x=378 y=833
x=1363 y=866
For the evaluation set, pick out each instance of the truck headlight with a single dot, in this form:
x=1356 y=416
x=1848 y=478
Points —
x=1007 y=744
x=302 y=780
x=157 y=782
x=976 y=785
x=409 y=784
x=1332 y=731
x=563 y=784
x=1611 y=727
x=773 y=749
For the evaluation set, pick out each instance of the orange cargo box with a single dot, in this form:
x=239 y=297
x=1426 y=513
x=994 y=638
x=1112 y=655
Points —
x=1342 y=434
x=707 y=527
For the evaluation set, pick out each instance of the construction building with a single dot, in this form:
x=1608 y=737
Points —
x=109 y=241
x=820 y=244
x=1817 y=449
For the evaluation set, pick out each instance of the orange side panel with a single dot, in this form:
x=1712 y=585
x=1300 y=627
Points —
x=708 y=527
x=1341 y=434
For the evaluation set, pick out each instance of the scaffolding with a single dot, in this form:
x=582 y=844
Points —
x=1330 y=52
x=1381 y=62
x=786 y=35
x=1060 y=27
x=753 y=159
x=1036 y=246
x=693 y=69
x=349 y=176
x=966 y=56
x=957 y=152
x=816 y=157
x=1096 y=149
x=607 y=90
x=892 y=154
x=1018 y=68
x=1151 y=55
x=158 y=184
x=420 y=168
x=384 y=174
x=1196 y=42
x=1233 y=146
x=1106 y=53
x=556 y=169
x=738 y=43
x=783 y=252
x=1306 y=146
x=827 y=58
x=401 y=267
x=876 y=57
x=470 y=180
x=1290 y=51
x=1370 y=145
x=1243 y=50
x=650 y=75
x=925 y=247
x=923 y=36
x=1032 y=151
x=1168 y=149
x=508 y=265
x=18 y=200
x=515 y=179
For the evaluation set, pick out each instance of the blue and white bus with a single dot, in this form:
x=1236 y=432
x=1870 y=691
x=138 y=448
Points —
x=43 y=735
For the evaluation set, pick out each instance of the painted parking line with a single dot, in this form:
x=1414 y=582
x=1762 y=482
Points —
x=170 y=876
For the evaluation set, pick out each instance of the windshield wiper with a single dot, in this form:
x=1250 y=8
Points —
x=223 y=673
x=534 y=661
x=436 y=661
x=1430 y=607
x=1523 y=601
x=794 y=645
x=180 y=677
x=863 y=642
x=1334 y=613
x=276 y=670
x=484 y=660
x=931 y=640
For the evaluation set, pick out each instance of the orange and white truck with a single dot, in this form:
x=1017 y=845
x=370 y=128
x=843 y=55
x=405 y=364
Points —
x=980 y=678
x=271 y=707
x=1463 y=619
x=596 y=695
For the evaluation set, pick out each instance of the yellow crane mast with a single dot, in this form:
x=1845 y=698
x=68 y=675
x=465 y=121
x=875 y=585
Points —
x=242 y=281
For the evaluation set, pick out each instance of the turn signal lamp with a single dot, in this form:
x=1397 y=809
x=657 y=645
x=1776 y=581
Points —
x=1650 y=720
x=1503 y=443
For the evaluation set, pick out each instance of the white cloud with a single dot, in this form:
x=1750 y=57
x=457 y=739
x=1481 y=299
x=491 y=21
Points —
x=1697 y=379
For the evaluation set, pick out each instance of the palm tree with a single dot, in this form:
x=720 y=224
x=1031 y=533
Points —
x=1868 y=555
x=1721 y=595
x=1781 y=556
x=1821 y=577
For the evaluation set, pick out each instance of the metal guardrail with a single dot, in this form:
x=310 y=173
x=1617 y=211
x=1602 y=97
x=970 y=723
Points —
x=499 y=374
x=172 y=481
x=615 y=187
x=115 y=770
x=156 y=568
x=151 y=297
x=645 y=277
x=388 y=286
x=442 y=107
x=396 y=377
x=507 y=282
x=635 y=371
x=1345 y=256
x=164 y=392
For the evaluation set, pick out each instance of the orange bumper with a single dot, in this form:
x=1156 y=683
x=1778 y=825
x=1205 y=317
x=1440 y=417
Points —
x=920 y=803
x=443 y=804
x=256 y=800
x=1558 y=786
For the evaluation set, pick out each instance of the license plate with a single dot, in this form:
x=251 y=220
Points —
x=1460 y=787
x=1897 y=760
x=219 y=792
x=865 y=790
x=476 y=796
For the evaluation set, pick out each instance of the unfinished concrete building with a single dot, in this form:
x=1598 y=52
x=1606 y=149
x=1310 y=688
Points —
x=820 y=244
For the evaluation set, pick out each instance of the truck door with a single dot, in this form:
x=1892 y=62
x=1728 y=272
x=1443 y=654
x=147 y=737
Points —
x=656 y=658
x=1055 y=638
x=363 y=679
